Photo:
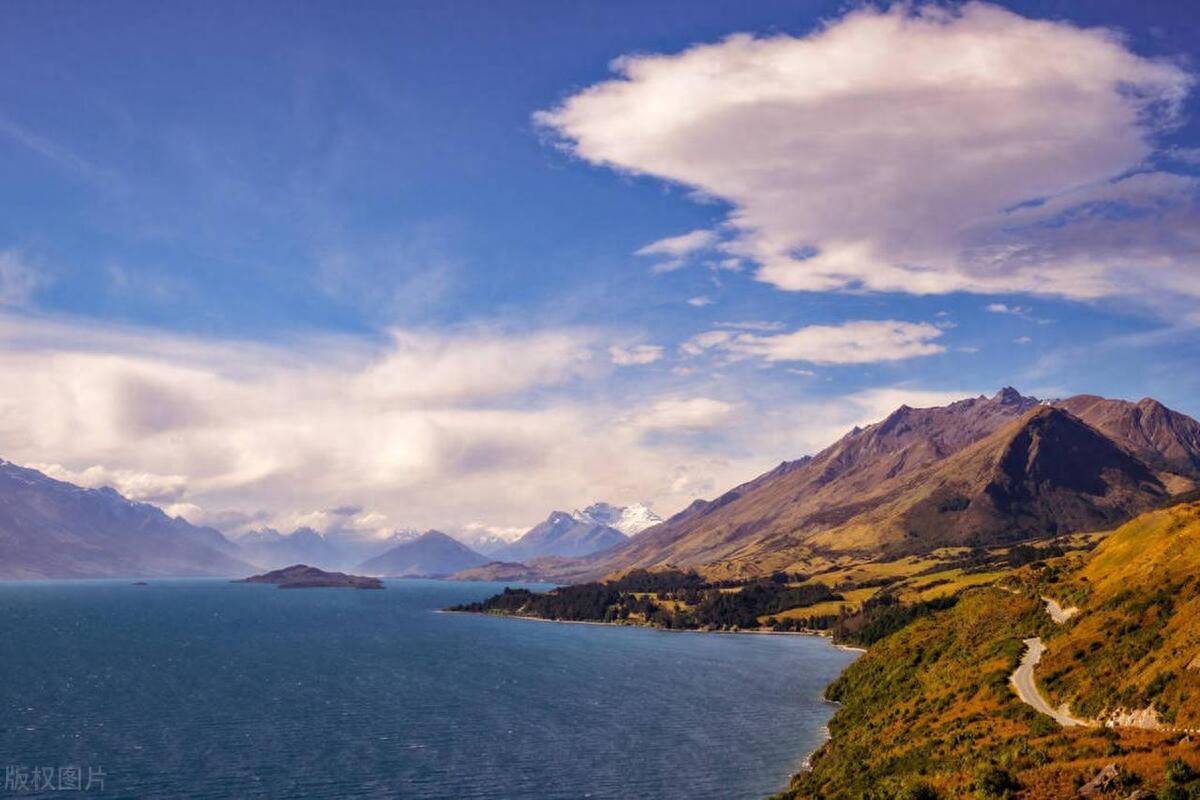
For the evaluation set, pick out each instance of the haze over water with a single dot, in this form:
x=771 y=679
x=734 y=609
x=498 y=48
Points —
x=197 y=688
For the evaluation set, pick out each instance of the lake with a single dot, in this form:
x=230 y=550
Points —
x=207 y=689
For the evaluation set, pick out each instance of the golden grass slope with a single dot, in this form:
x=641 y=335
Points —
x=1136 y=642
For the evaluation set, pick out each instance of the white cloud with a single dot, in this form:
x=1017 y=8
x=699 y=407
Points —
x=142 y=486
x=482 y=532
x=1022 y=340
x=699 y=301
x=888 y=149
x=676 y=249
x=1003 y=308
x=636 y=355
x=692 y=413
x=18 y=280
x=681 y=245
x=708 y=340
x=854 y=342
x=752 y=325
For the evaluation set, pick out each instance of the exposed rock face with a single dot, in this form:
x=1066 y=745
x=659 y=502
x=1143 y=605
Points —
x=302 y=576
x=433 y=554
x=1146 y=718
x=53 y=529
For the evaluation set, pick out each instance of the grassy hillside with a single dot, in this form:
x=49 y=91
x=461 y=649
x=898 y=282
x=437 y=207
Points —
x=928 y=712
x=1136 y=641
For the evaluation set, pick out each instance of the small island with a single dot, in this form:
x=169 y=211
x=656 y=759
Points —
x=302 y=576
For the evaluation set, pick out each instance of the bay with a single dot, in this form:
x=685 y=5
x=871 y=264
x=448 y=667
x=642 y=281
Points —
x=208 y=689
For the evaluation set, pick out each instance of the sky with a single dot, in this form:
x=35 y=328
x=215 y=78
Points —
x=456 y=265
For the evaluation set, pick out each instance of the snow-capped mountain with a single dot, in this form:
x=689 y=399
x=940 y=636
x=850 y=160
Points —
x=562 y=534
x=629 y=520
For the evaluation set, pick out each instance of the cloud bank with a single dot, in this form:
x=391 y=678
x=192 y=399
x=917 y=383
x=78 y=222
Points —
x=471 y=431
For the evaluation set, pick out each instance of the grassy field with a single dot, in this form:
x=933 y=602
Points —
x=949 y=582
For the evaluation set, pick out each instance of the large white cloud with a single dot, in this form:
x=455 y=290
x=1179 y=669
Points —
x=918 y=150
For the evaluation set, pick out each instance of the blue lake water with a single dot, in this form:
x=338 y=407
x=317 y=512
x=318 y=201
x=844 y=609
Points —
x=207 y=689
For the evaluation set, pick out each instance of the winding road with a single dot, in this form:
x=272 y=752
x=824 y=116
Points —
x=1022 y=681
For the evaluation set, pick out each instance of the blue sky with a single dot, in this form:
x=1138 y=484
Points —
x=216 y=209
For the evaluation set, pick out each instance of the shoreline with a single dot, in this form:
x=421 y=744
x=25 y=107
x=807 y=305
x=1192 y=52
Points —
x=818 y=634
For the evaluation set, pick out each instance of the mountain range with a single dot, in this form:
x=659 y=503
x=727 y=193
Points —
x=269 y=549
x=983 y=470
x=53 y=529
x=976 y=472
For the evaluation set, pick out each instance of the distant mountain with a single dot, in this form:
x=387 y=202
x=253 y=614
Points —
x=431 y=554
x=563 y=534
x=985 y=469
x=629 y=520
x=490 y=543
x=270 y=549
x=53 y=529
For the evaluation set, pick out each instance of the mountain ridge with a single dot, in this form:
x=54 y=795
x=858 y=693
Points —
x=807 y=507
x=54 y=529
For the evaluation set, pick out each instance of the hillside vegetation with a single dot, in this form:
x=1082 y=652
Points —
x=1136 y=642
x=928 y=712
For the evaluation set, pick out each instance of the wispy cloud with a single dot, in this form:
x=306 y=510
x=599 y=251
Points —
x=691 y=413
x=855 y=342
x=635 y=355
x=48 y=149
x=674 y=250
x=18 y=280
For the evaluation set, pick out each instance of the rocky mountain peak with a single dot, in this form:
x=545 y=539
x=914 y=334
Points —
x=1008 y=396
